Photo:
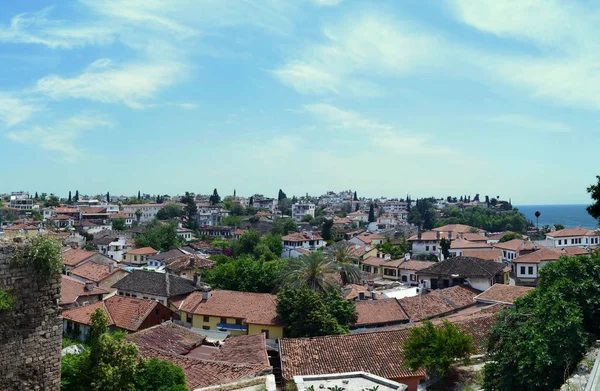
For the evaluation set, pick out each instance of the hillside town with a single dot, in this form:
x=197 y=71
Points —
x=225 y=288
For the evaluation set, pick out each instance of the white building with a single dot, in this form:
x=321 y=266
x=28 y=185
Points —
x=21 y=203
x=573 y=237
x=301 y=210
x=306 y=240
x=148 y=211
x=268 y=203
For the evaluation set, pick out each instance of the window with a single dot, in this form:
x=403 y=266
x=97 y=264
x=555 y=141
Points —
x=135 y=258
x=205 y=328
x=238 y=322
x=559 y=242
x=531 y=270
x=223 y=320
x=189 y=317
x=522 y=269
x=426 y=248
x=433 y=248
x=413 y=277
x=206 y=318
x=266 y=332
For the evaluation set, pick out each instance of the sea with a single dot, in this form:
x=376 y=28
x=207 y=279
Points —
x=571 y=216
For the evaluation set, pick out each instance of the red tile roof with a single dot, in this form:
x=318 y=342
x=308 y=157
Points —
x=142 y=251
x=516 y=245
x=437 y=303
x=461 y=243
x=96 y=272
x=488 y=255
x=568 y=232
x=168 y=337
x=74 y=257
x=458 y=228
x=247 y=349
x=253 y=308
x=541 y=255
x=71 y=289
x=372 y=312
x=377 y=352
x=500 y=293
x=415 y=265
x=124 y=312
x=301 y=237
x=368 y=238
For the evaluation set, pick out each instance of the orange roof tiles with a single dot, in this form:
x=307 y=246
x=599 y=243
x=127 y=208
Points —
x=458 y=228
x=95 y=272
x=461 y=243
x=142 y=251
x=500 y=293
x=253 y=308
x=168 y=337
x=368 y=238
x=415 y=265
x=489 y=255
x=372 y=312
x=71 y=289
x=301 y=237
x=74 y=257
x=568 y=232
x=541 y=255
x=516 y=245
x=438 y=302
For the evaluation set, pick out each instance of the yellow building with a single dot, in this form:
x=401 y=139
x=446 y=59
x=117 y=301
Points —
x=138 y=256
x=240 y=313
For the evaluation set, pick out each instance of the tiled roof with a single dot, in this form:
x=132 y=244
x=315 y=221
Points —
x=167 y=255
x=429 y=236
x=142 y=251
x=71 y=289
x=183 y=262
x=153 y=283
x=66 y=210
x=489 y=255
x=500 y=293
x=254 y=308
x=368 y=238
x=541 y=255
x=471 y=237
x=377 y=352
x=374 y=261
x=371 y=312
x=437 y=303
x=571 y=251
x=124 y=312
x=74 y=257
x=568 y=232
x=516 y=245
x=415 y=265
x=247 y=349
x=461 y=243
x=205 y=373
x=301 y=237
x=168 y=337
x=95 y=272
x=500 y=235
x=465 y=267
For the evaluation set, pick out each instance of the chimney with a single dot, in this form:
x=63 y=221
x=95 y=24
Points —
x=192 y=262
x=110 y=267
x=373 y=295
x=205 y=295
x=196 y=281
x=419 y=233
x=361 y=296
x=462 y=235
x=89 y=286
x=437 y=235
x=450 y=235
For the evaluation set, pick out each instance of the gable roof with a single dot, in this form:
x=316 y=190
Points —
x=168 y=337
x=301 y=237
x=96 y=272
x=253 y=308
x=467 y=244
x=74 y=257
x=501 y=293
x=541 y=255
x=142 y=251
x=489 y=255
x=438 y=302
x=124 y=312
x=568 y=232
x=458 y=228
x=371 y=312
x=71 y=289
x=156 y=284
x=368 y=238
x=415 y=265
x=516 y=245
x=465 y=267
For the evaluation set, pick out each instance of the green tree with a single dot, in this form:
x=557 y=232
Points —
x=170 y=211
x=537 y=218
x=307 y=218
x=281 y=195
x=371 y=213
x=269 y=248
x=52 y=201
x=309 y=313
x=245 y=274
x=118 y=224
x=237 y=210
x=594 y=191
x=558 y=226
x=327 y=230
x=158 y=375
x=231 y=221
x=214 y=198
x=108 y=197
x=76 y=198
x=246 y=244
x=160 y=236
x=445 y=247
x=355 y=198
x=318 y=272
x=139 y=197
x=436 y=348
x=510 y=236
x=190 y=209
x=283 y=226
x=69 y=200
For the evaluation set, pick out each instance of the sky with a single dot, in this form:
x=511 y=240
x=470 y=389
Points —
x=431 y=98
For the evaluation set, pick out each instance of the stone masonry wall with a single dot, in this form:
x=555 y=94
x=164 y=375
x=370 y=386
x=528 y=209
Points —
x=30 y=335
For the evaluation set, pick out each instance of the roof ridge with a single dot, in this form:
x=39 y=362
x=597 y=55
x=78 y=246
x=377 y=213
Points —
x=234 y=364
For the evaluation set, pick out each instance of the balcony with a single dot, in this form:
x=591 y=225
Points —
x=230 y=326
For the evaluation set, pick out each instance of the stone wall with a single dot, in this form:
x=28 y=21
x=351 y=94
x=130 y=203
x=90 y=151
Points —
x=31 y=334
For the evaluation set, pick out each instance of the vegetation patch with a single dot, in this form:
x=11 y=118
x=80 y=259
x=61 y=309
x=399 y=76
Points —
x=43 y=253
x=7 y=301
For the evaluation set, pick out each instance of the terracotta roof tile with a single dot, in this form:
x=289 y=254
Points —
x=142 y=251
x=461 y=243
x=415 y=265
x=71 y=289
x=516 y=245
x=168 y=337
x=437 y=303
x=74 y=257
x=95 y=272
x=458 y=228
x=301 y=237
x=372 y=312
x=254 y=308
x=488 y=255
x=247 y=349
x=541 y=255
x=567 y=232
x=500 y=293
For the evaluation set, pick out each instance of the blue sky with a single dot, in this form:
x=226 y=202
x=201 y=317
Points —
x=388 y=97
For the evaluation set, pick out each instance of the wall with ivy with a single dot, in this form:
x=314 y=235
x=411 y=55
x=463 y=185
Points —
x=30 y=318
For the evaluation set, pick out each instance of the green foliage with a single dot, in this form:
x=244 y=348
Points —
x=510 y=236
x=247 y=243
x=489 y=219
x=423 y=215
x=237 y=210
x=317 y=272
x=594 y=190
x=160 y=236
x=283 y=226
x=111 y=364
x=309 y=313
x=558 y=226
x=231 y=221
x=170 y=211
x=7 y=301
x=43 y=252
x=214 y=198
x=307 y=218
x=52 y=201
x=396 y=251
x=36 y=215
x=371 y=213
x=245 y=274
x=534 y=345
x=326 y=230
x=118 y=224
x=436 y=348
x=445 y=247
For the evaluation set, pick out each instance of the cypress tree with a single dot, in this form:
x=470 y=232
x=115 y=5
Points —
x=108 y=197
x=76 y=199
x=371 y=213
x=68 y=199
x=139 y=195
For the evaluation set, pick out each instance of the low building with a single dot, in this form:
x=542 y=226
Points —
x=515 y=248
x=217 y=232
x=379 y=313
x=350 y=380
x=156 y=286
x=478 y=273
x=73 y=258
x=101 y=275
x=305 y=240
x=527 y=267
x=185 y=233
x=502 y=294
x=146 y=212
x=494 y=255
x=75 y=293
x=124 y=313
x=240 y=313
x=577 y=237
x=111 y=247
x=138 y=256
x=438 y=303
x=367 y=239
x=300 y=210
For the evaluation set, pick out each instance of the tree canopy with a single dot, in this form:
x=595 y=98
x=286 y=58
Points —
x=160 y=236
x=594 y=190
x=245 y=274
x=170 y=211
x=486 y=218
x=118 y=224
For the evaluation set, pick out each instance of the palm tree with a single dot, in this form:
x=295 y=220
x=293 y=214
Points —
x=346 y=262
x=537 y=219
x=318 y=272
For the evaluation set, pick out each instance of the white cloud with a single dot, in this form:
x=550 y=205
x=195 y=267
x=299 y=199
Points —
x=527 y=122
x=327 y=3
x=60 y=137
x=188 y=106
x=130 y=84
x=373 y=45
x=14 y=110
